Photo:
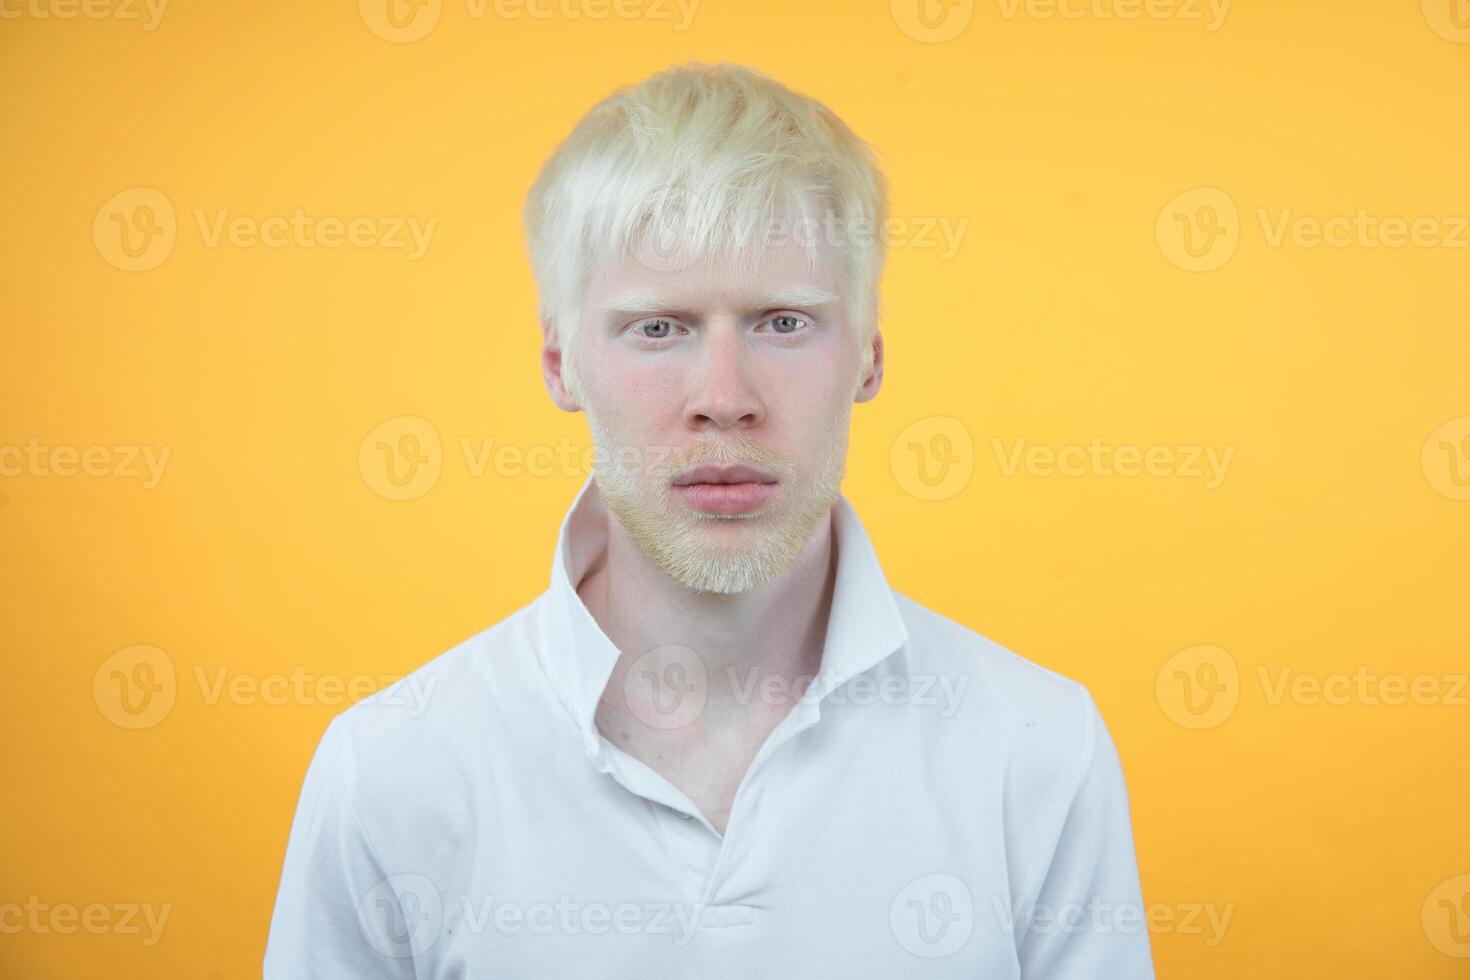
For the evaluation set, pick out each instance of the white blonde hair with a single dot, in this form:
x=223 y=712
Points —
x=717 y=152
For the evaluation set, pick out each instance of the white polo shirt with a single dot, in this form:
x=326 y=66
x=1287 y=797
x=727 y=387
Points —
x=934 y=806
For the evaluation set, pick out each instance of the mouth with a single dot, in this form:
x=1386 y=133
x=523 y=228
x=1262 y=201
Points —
x=725 y=490
x=723 y=475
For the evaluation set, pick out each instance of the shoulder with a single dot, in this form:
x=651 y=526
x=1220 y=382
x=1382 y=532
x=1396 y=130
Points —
x=1035 y=719
x=940 y=645
x=410 y=736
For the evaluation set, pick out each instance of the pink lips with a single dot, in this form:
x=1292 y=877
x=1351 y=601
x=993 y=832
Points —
x=723 y=474
x=725 y=489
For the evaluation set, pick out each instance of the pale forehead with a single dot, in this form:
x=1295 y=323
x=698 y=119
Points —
x=783 y=274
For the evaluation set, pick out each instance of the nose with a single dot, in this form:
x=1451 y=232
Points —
x=721 y=395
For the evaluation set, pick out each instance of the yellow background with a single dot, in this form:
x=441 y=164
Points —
x=1334 y=544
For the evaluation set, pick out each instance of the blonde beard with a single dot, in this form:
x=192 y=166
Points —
x=674 y=537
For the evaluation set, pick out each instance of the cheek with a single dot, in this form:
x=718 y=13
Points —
x=614 y=379
x=632 y=402
x=819 y=379
x=809 y=403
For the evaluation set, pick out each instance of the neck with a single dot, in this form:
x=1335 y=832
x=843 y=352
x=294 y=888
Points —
x=745 y=639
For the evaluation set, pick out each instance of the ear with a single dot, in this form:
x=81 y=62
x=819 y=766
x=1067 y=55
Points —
x=551 y=369
x=873 y=380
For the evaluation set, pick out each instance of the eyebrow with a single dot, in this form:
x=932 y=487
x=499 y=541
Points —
x=642 y=300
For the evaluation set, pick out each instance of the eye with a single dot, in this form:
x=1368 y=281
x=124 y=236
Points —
x=788 y=323
x=657 y=329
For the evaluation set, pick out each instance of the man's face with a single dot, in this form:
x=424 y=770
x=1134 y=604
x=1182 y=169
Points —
x=719 y=403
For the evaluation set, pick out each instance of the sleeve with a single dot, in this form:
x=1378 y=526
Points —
x=1089 y=922
x=333 y=892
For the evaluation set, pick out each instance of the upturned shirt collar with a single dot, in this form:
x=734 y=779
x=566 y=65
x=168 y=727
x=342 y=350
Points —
x=863 y=629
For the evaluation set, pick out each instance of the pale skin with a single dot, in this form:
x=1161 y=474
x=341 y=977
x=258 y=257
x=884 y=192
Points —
x=708 y=354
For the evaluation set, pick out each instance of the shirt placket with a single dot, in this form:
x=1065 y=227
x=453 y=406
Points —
x=701 y=853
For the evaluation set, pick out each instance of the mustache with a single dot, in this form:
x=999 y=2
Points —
x=728 y=452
